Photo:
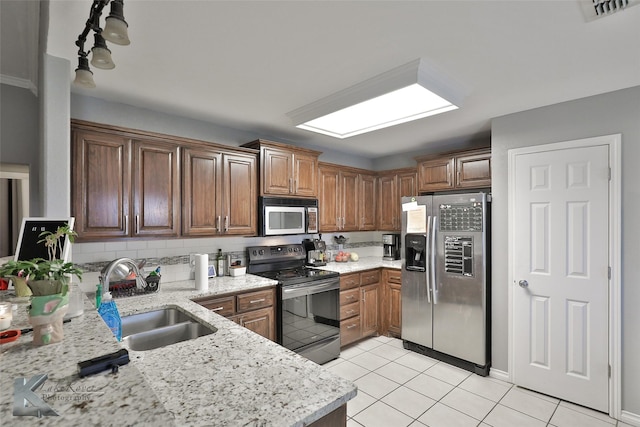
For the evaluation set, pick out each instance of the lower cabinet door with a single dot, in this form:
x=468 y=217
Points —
x=349 y=330
x=369 y=312
x=259 y=321
x=395 y=309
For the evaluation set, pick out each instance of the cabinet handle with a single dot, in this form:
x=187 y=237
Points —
x=218 y=223
x=364 y=296
x=351 y=311
x=137 y=224
x=295 y=185
x=217 y=309
x=126 y=224
x=257 y=301
x=350 y=297
x=290 y=181
x=351 y=326
x=458 y=178
x=226 y=223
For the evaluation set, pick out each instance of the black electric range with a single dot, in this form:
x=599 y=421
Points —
x=308 y=305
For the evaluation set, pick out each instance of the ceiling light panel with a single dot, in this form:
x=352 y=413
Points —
x=410 y=92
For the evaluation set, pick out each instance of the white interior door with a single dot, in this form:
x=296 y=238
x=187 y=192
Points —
x=560 y=264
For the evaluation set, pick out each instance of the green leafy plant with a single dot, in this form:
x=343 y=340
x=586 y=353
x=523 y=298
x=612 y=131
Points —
x=45 y=277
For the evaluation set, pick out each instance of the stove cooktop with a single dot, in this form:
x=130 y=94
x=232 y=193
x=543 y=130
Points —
x=298 y=275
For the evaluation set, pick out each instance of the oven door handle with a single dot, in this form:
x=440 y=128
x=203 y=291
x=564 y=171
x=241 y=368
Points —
x=315 y=288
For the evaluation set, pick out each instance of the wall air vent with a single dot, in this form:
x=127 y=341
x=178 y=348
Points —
x=593 y=9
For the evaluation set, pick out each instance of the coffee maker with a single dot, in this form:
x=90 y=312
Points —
x=391 y=247
x=316 y=251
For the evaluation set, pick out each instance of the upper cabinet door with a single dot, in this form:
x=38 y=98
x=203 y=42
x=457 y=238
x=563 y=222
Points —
x=201 y=189
x=436 y=175
x=473 y=170
x=387 y=211
x=156 y=187
x=305 y=182
x=407 y=184
x=240 y=190
x=277 y=173
x=329 y=200
x=350 y=196
x=100 y=184
x=368 y=198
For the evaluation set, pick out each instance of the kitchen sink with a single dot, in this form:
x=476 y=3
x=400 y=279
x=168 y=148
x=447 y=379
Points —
x=159 y=328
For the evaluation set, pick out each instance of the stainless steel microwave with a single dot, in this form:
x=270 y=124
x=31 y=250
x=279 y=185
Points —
x=280 y=216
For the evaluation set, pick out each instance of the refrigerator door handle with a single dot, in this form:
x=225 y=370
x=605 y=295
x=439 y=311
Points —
x=432 y=259
x=428 y=256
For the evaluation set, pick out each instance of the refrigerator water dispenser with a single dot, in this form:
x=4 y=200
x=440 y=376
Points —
x=415 y=252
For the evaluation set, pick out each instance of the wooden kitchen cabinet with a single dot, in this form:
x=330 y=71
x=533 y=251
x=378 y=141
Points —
x=368 y=202
x=255 y=310
x=285 y=170
x=100 y=184
x=392 y=302
x=359 y=305
x=219 y=191
x=346 y=198
x=392 y=186
x=369 y=309
x=459 y=170
x=123 y=187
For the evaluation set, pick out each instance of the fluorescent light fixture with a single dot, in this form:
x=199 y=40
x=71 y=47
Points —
x=410 y=92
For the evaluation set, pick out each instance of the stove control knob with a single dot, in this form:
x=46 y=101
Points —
x=261 y=251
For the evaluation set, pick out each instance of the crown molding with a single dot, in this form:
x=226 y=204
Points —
x=18 y=82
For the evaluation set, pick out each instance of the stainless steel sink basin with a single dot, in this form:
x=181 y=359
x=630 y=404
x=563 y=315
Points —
x=159 y=328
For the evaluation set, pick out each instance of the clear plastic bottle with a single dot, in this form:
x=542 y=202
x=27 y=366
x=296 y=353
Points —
x=110 y=315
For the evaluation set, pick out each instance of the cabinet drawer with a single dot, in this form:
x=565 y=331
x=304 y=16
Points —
x=395 y=276
x=349 y=330
x=254 y=300
x=224 y=306
x=369 y=277
x=349 y=310
x=350 y=296
x=348 y=281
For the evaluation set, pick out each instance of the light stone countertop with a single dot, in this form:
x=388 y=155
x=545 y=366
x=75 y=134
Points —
x=229 y=378
x=232 y=377
x=364 y=263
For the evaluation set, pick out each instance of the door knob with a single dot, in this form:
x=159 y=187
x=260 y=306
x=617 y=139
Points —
x=523 y=283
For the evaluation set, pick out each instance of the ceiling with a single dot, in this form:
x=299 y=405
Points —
x=245 y=65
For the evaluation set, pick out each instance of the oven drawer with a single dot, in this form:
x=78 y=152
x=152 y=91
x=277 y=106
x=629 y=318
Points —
x=369 y=277
x=350 y=310
x=349 y=281
x=350 y=296
x=254 y=300
x=349 y=330
x=225 y=306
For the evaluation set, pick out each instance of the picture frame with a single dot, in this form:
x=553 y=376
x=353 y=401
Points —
x=30 y=230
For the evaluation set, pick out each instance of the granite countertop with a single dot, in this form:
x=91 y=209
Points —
x=229 y=378
x=364 y=263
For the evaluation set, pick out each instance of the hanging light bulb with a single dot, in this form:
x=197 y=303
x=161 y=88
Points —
x=101 y=55
x=84 y=76
x=116 y=28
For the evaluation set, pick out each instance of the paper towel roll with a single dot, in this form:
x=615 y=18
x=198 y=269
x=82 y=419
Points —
x=201 y=273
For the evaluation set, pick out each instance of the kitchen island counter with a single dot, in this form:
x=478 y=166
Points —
x=232 y=377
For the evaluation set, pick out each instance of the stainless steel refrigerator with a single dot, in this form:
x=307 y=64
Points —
x=445 y=278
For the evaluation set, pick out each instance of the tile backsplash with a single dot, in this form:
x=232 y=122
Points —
x=173 y=255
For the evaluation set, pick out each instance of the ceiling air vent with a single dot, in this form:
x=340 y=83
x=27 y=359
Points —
x=600 y=8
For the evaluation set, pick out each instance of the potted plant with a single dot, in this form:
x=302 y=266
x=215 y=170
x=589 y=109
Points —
x=48 y=284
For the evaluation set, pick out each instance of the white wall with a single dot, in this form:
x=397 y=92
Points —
x=610 y=113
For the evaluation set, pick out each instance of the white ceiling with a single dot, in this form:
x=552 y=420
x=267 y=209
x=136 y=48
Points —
x=246 y=64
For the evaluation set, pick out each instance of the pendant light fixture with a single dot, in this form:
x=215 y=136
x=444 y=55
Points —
x=115 y=31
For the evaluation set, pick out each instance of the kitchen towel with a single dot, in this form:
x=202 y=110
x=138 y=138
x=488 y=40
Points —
x=202 y=269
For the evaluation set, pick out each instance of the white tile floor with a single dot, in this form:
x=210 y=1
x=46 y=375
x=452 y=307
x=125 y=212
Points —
x=397 y=388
